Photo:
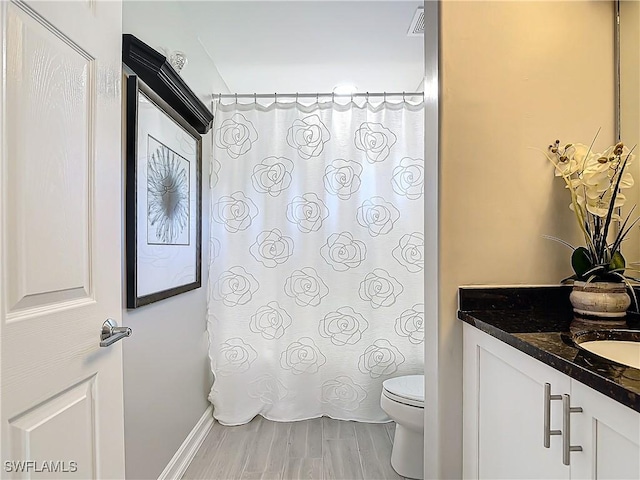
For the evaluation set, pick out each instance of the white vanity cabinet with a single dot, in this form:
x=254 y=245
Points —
x=609 y=434
x=514 y=420
x=504 y=414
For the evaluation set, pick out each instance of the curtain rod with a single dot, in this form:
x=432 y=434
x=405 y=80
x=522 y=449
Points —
x=220 y=96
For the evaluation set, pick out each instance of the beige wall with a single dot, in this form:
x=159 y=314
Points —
x=515 y=76
x=167 y=376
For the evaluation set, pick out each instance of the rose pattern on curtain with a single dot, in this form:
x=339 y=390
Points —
x=315 y=283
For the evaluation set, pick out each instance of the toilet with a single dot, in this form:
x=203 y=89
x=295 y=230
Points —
x=403 y=400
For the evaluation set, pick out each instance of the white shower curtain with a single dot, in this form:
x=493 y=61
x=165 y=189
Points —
x=316 y=275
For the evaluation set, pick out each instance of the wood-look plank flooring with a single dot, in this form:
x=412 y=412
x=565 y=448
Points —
x=317 y=449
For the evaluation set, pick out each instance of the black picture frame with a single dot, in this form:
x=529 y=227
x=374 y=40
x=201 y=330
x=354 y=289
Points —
x=154 y=255
x=154 y=70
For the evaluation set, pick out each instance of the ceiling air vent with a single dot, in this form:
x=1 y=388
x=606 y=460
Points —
x=417 y=24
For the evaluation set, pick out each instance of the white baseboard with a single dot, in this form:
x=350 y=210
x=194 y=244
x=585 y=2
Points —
x=182 y=458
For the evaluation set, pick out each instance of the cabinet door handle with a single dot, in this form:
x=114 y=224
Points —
x=567 y=410
x=547 y=415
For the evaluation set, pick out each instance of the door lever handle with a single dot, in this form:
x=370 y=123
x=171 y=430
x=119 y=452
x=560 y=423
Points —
x=111 y=333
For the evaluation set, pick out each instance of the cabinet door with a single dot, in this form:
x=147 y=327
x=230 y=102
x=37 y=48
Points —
x=609 y=434
x=504 y=403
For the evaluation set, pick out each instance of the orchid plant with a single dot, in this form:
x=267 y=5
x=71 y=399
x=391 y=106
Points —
x=595 y=182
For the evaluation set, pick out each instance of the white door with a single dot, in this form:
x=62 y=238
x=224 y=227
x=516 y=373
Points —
x=60 y=239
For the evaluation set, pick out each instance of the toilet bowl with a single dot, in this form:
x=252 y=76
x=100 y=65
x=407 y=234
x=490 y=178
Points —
x=403 y=400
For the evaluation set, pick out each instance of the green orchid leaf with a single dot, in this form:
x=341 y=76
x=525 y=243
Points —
x=581 y=261
x=630 y=287
x=559 y=240
x=617 y=262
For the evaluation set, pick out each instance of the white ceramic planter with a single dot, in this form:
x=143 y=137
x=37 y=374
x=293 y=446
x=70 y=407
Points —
x=600 y=299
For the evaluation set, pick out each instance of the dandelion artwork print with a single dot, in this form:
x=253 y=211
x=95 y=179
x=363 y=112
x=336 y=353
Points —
x=167 y=195
x=163 y=227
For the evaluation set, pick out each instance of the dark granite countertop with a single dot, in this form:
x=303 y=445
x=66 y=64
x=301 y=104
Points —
x=539 y=322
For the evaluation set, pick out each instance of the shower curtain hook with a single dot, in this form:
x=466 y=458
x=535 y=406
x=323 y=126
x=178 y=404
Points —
x=403 y=99
x=255 y=98
x=236 y=98
x=351 y=100
x=367 y=97
x=384 y=97
x=275 y=97
x=317 y=97
x=333 y=97
x=296 y=97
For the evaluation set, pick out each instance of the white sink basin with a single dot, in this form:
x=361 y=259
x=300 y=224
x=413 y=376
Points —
x=621 y=351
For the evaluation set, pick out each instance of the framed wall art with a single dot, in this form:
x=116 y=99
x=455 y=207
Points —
x=163 y=199
x=164 y=122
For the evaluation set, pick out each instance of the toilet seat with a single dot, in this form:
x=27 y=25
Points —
x=408 y=390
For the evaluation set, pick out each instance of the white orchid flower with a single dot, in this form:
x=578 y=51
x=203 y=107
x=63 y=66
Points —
x=572 y=161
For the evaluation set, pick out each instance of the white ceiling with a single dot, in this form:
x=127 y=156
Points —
x=293 y=46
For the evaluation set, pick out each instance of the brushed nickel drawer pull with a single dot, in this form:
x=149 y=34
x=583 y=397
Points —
x=567 y=448
x=547 y=415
